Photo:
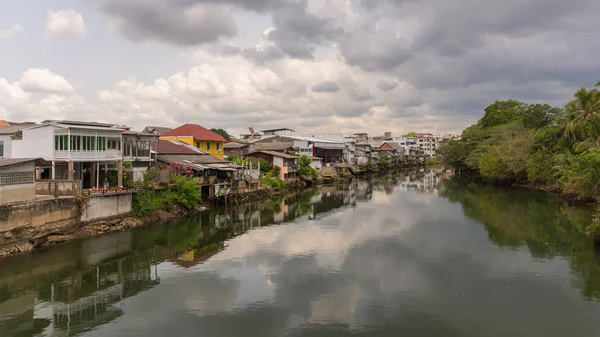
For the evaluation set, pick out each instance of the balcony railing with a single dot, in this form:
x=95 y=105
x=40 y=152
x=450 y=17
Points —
x=88 y=155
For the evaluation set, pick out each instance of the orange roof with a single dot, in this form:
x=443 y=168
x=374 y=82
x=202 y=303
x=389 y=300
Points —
x=3 y=123
x=196 y=131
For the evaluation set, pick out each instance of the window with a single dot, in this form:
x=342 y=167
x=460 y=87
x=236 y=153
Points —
x=61 y=143
x=75 y=143
x=101 y=144
x=218 y=147
x=114 y=144
x=208 y=146
x=89 y=143
x=198 y=144
x=1 y=149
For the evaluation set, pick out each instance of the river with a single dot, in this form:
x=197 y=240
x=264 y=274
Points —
x=405 y=254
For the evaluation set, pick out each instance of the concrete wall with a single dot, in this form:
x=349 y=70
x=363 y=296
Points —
x=36 y=143
x=58 y=188
x=102 y=207
x=38 y=213
x=43 y=212
x=22 y=191
x=16 y=193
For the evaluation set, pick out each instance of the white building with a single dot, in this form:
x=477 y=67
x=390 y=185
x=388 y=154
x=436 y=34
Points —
x=79 y=151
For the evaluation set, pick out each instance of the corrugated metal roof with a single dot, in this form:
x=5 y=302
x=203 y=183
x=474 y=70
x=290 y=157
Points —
x=11 y=130
x=176 y=147
x=15 y=161
x=234 y=145
x=277 y=154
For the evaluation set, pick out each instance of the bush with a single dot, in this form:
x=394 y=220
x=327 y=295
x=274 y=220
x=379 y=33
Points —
x=185 y=191
x=304 y=167
x=539 y=167
x=265 y=166
x=434 y=160
x=384 y=160
x=580 y=174
x=272 y=182
x=276 y=171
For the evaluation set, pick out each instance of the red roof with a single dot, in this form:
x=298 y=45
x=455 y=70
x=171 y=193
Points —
x=175 y=147
x=196 y=131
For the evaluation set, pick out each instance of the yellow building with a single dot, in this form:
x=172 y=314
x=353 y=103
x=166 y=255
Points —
x=199 y=137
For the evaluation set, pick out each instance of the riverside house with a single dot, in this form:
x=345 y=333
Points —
x=198 y=136
x=81 y=150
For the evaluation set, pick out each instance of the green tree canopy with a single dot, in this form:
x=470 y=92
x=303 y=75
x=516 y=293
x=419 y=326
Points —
x=222 y=133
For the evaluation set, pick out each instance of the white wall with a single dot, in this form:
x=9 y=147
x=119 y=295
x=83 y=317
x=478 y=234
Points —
x=6 y=139
x=316 y=164
x=36 y=143
x=277 y=161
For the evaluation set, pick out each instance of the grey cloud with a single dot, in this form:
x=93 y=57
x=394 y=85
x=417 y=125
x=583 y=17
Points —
x=263 y=56
x=193 y=22
x=374 y=49
x=386 y=85
x=326 y=86
x=180 y=22
x=297 y=31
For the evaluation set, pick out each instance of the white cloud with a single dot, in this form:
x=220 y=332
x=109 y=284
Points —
x=65 y=23
x=43 y=80
x=11 y=32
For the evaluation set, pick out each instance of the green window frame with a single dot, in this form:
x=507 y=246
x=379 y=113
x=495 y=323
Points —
x=208 y=146
x=218 y=145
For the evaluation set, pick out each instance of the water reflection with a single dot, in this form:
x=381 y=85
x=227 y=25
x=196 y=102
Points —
x=417 y=252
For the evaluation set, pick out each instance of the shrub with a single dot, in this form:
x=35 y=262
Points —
x=186 y=191
x=384 y=160
x=276 y=171
x=304 y=167
x=580 y=174
x=272 y=182
x=265 y=166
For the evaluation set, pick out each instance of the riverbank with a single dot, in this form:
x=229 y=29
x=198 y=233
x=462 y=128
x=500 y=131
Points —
x=28 y=238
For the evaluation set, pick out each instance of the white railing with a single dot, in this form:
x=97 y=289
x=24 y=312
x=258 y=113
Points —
x=88 y=155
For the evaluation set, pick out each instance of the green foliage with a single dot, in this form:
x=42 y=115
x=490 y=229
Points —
x=304 y=167
x=410 y=134
x=540 y=115
x=272 y=182
x=184 y=191
x=434 y=160
x=540 y=166
x=222 y=133
x=238 y=160
x=502 y=112
x=265 y=166
x=276 y=171
x=384 y=160
x=580 y=174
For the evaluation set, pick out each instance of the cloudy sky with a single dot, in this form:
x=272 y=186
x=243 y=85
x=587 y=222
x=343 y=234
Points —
x=313 y=65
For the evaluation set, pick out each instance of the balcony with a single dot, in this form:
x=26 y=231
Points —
x=88 y=155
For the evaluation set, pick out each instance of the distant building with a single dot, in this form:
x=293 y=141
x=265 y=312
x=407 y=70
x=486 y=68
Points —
x=156 y=130
x=286 y=162
x=199 y=137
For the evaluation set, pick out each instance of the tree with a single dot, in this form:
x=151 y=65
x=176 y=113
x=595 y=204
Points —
x=540 y=115
x=583 y=112
x=502 y=112
x=410 y=134
x=222 y=133
x=304 y=166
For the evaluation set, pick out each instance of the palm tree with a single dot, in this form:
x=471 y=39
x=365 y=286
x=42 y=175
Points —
x=584 y=112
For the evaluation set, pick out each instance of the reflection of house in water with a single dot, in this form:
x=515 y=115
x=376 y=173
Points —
x=85 y=297
x=425 y=182
x=195 y=257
